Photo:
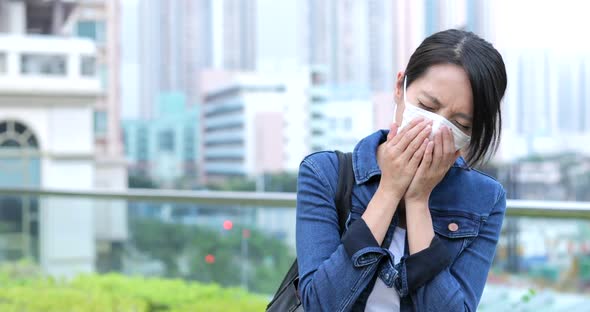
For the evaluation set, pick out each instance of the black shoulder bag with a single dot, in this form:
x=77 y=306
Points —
x=287 y=298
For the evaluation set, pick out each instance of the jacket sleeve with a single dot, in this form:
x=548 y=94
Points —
x=332 y=271
x=461 y=284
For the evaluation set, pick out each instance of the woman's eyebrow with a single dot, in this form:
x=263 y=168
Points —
x=432 y=98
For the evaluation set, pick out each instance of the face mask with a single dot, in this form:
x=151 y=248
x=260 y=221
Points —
x=411 y=112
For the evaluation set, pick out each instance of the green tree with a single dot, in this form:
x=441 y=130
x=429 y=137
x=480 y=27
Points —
x=141 y=181
x=264 y=258
x=161 y=241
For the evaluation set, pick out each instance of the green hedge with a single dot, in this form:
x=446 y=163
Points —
x=113 y=292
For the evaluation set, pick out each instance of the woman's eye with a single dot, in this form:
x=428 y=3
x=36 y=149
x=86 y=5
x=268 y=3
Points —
x=466 y=128
x=425 y=107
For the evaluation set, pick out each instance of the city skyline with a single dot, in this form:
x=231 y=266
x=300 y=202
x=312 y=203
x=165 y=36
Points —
x=341 y=44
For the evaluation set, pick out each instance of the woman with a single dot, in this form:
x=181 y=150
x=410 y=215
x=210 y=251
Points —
x=423 y=227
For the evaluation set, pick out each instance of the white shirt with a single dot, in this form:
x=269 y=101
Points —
x=383 y=298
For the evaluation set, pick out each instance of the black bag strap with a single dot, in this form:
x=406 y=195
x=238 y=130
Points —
x=343 y=197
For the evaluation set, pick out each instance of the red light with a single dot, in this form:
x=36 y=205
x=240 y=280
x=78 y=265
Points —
x=210 y=259
x=246 y=233
x=228 y=225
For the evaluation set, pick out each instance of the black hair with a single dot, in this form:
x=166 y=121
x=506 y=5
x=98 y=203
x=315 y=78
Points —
x=487 y=74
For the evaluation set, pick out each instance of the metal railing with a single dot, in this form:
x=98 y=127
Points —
x=515 y=208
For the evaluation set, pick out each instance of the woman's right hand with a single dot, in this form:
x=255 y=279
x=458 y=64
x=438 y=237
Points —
x=401 y=155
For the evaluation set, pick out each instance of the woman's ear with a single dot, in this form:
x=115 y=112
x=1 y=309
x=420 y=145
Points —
x=399 y=88
x=398 y=96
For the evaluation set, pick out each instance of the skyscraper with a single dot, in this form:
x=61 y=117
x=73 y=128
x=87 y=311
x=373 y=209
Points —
x=238 y=34
x=174 y=40
x=353 y=39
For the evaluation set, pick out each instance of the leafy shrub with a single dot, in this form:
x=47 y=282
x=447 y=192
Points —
x=23 y=289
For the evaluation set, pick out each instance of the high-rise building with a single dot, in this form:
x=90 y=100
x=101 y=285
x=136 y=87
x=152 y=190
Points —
x=168 y=43
x=545 y=107
x=238 y=34
x=380 y=44
x=354 y=40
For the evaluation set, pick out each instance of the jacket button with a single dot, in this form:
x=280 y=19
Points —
x=453 y=227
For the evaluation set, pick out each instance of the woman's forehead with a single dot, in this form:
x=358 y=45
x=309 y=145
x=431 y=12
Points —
x=447 y=83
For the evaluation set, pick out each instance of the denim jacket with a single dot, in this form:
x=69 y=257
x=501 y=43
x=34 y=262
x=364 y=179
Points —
x=338 y=273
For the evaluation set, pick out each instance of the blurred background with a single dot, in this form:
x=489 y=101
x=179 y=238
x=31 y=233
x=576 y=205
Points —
x=161 y=138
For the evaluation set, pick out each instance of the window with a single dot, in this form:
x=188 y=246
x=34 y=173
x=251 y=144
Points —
x=142 y=144
x=88 y=66
x=43 y=64
x=166 y=141
x=14 y=134
x=100 y=123
x=94 y=30
x=2 y=63
x=189 y=144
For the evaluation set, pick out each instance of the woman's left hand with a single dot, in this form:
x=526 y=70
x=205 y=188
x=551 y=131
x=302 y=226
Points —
x=438 y=158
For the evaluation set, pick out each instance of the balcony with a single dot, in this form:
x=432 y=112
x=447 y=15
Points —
x=247 y=239
x=36 y=65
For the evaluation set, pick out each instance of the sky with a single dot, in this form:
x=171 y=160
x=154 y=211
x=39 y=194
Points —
x=562 y=25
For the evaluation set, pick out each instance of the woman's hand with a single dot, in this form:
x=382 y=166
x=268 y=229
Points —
x=438 y=158
x=401 y=155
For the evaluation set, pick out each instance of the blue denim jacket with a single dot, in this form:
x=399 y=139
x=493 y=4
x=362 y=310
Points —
x=338 y=274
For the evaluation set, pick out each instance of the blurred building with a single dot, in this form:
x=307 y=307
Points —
x=546 y=104
x=383 y=107
x=253 y=124
x=559 y=177
x=166 y=44
x=353 y=39
x=165 y=149
x=99 y=21
x=242 y=122
x=348 y=118
x=235 y=34
x=61 y=128
x=339 y=115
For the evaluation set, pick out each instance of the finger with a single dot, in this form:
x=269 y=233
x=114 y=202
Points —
x=418 y=154
x=415 y=143
x=412 y=136
x=392 y=131
x=428 y=155
x=448 y=145
x=413 y=124
x=438 y=149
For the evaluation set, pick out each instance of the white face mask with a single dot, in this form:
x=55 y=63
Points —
x=411 y=112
